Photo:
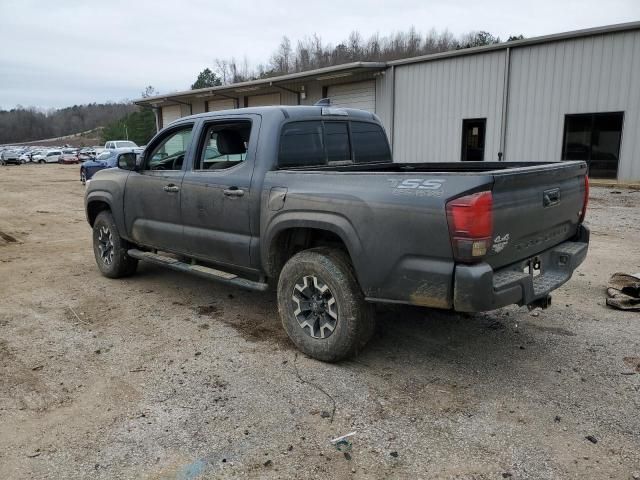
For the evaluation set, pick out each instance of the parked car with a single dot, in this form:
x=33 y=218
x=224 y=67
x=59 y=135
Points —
x=106 y=159
x=25 y=158
x=315 y=204
x=10 y=157
x=68 y=157
x=120 y=144
x=50 y=156
x=35 y=153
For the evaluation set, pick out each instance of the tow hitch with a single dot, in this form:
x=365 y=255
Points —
x=544 y=302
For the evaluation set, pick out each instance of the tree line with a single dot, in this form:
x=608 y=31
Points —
x=311 y=53
x=20 y=124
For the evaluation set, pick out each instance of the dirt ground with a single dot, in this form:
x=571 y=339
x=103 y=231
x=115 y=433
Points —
x=165 y=376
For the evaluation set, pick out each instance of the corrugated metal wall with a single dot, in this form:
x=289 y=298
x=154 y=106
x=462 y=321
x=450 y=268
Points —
x=587 y=75
x=384 y=99
x=432 y=98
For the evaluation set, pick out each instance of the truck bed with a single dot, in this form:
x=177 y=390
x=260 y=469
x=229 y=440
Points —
x=396 y=216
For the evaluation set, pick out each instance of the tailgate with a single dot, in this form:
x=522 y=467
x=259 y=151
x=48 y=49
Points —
x=534 y=209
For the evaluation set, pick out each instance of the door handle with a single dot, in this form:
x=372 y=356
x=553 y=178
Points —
x=233 y=192
x=171 y=188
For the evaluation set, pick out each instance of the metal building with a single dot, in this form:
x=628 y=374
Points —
x=572 y=95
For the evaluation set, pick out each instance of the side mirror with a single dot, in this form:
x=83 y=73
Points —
x=127 y=161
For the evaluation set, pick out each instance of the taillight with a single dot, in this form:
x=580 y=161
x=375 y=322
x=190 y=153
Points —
x=471 y=225
x=585 y=200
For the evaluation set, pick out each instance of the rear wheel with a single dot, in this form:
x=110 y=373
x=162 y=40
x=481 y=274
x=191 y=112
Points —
x=322 y=306
x=41 y=161
x=110 y=250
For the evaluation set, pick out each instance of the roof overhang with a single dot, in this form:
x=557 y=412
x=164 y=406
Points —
x=292 y=82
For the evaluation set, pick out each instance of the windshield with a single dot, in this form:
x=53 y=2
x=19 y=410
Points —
x=125 y=144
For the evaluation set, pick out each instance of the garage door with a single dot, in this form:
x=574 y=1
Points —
x=170 y=113
x=360 y=95
x=264 y=100
x=226 y=104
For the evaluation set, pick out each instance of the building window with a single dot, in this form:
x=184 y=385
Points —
x=473 y=133
x=594 y=138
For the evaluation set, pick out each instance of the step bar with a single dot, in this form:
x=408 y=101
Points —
x=199 y=270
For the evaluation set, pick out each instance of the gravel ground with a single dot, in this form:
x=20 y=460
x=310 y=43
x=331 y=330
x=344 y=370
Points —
x=164 y=375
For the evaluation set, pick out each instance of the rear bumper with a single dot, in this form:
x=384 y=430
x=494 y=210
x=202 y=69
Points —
x=479 y=288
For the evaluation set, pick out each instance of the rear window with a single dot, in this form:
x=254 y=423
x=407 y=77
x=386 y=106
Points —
x=316 y=143
x=301 y=145
x=369 y=143
x=336 y=136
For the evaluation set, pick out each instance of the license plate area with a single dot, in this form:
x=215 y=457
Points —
x=533 y=267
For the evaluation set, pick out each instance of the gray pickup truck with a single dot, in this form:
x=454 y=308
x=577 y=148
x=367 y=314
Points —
x=308 y=198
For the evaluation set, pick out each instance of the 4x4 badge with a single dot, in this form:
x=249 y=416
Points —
x=500 y=242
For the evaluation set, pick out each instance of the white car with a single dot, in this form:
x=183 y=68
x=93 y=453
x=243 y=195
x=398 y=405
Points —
x=120 y=144
x=51 y=156
x=25 y=158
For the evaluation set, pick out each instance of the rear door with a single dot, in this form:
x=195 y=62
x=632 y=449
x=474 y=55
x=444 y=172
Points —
x=153 y=194
x=534 y=209
x=216 y=192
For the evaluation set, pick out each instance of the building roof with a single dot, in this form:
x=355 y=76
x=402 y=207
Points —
x=337 y=71
x=234 y=89
x=587 y=32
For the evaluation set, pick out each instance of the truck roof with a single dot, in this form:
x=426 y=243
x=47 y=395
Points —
x=290 y=111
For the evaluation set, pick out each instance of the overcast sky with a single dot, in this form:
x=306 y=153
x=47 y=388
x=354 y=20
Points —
x=55 y=53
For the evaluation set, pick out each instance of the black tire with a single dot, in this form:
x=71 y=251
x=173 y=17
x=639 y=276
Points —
x=110 y=250
x=41 y=162
x=354 y=321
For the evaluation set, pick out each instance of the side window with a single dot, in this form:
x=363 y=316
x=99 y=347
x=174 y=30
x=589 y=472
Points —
x=369 y=143
x=301 y=144
x=225 y=145
x=169 y=153
x=336 y=139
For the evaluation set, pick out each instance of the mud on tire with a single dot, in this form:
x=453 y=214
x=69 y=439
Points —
x=322 y=307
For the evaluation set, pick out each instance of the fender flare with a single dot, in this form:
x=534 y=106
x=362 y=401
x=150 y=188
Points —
x=328 y=221
x=104 y=196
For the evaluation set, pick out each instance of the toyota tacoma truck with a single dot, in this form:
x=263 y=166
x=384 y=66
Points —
x=309 y=200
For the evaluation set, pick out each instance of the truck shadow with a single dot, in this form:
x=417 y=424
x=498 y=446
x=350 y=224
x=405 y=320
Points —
x=419 y=338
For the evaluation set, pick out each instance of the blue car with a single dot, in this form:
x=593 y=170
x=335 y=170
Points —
x=106 y=159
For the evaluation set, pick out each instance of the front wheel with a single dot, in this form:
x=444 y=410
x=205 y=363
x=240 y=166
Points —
x=41 y=161
x=110 y=250
x=322 y=306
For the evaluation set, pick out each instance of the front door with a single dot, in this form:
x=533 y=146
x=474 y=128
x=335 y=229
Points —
x=473 y=134
x=217 y=195
x=153 y=193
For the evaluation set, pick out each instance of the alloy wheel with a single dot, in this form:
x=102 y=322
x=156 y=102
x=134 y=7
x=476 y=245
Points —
x=315 y=307
x=105 y=245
